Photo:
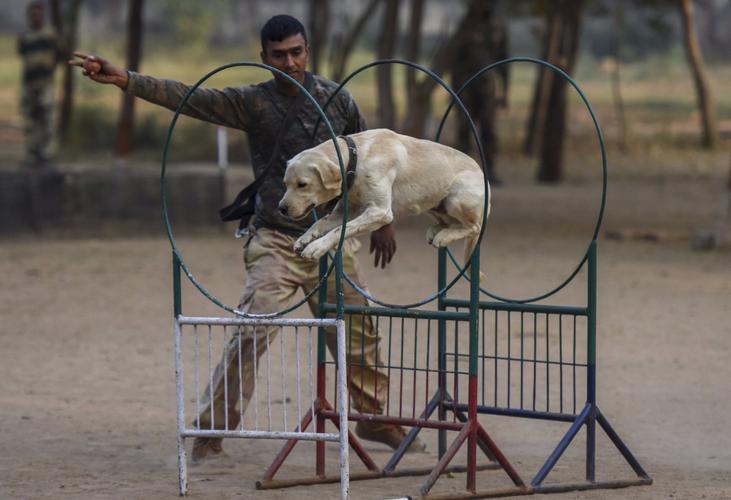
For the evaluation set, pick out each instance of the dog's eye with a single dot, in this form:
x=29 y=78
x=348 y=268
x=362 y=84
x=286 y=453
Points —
x=301 y=184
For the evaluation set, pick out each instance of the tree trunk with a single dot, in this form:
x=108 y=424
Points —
x=125 y=130
x=348 y=44
x=386 y=48
x=618 y=18
x=64 y=16
x=554 y=126
x=703 y=91
x=319 y=27
x=413 y=46
x=544 y=79
x=418 y=113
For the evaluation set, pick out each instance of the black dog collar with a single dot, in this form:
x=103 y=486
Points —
x=352 y=161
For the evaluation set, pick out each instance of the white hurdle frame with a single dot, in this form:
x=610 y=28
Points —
x=342 y=395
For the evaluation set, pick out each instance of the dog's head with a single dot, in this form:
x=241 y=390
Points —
x=311 y=179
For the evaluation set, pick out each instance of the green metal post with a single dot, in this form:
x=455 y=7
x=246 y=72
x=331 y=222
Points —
x=177 y=299
x=442 y=350
x=473 y=349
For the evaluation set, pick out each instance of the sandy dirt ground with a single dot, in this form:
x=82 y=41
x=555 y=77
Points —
x=86 y=353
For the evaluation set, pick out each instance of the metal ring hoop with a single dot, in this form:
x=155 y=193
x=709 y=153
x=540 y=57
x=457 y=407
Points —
x=600 y=136
x=166 y=218
x=455 y=99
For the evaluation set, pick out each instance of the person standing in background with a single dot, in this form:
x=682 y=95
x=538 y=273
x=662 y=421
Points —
x=39 y=51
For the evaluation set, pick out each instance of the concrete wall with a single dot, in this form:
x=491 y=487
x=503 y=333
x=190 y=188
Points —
x=119 y=200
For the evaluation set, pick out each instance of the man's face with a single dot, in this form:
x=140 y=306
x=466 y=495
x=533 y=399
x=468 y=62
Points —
x=290 y=56
x=35 y=18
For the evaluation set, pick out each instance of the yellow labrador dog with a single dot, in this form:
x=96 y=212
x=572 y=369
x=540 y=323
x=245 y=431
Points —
x=395 y=175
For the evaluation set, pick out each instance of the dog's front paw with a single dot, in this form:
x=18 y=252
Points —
x=314 y=250
x=299 y=245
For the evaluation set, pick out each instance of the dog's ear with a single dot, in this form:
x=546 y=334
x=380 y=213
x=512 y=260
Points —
x=329 y=173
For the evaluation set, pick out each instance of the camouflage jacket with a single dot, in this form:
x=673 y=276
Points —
x=259 y=110
x=39 y=51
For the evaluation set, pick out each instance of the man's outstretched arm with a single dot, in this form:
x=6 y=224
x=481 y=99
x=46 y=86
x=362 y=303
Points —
x=222 y=107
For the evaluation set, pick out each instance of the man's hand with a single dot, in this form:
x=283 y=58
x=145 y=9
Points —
x=383 y=243
x=100 y=70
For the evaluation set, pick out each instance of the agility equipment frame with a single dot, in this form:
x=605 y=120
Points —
x=463 y=394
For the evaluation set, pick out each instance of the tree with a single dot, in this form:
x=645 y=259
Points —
x=125 y=130
x=554 y=123
x=341 y=51
x=702 y=89
x=417 y=114
x=319 y=28
x=65 y=17
x=386 y=48
x=542 y=87
x=413 y=47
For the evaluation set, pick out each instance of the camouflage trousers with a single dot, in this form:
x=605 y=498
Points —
x=37 y=109
x=274 y=274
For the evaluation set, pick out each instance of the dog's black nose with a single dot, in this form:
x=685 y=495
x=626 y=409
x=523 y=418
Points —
x=283 y=209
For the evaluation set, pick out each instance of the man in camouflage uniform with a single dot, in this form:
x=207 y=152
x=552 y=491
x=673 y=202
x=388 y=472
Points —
x=38 y=49
x=274 y=271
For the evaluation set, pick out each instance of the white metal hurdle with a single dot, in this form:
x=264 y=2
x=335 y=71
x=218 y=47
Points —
x=255 y=427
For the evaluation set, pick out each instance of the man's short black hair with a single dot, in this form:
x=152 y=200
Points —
x=280 y=27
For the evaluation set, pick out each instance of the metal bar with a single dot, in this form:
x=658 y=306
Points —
x=225 y=381
x=388 y=370
x=255 y=362
x=299 y=374
x=591 y=369
x=495 y=358
x=180 y=396
x=401 y=373
x=561 y=447
x=598 y=485
x=560 y=361
x=515 y=412
x=414 y=372
x=506 y=358
x=343 y=400
x=177 y=297
x=535 y=357
x=196 y=375
x=241 y=382
x=210 y=380
x=499 y=457
x=269 y=379
x=548 y=366
x=400 y=313
x=522 y=360
x=301 y=436
x=623 y=449
x=321 y=374
x=406 y=442
x=197 y=320
x=441 y=349
x=329 y=413
x=288 y=447
x=366 y=475
x=444 y=460
x=519 y=307
x=472 y=383
x=509 y=358
x=408 y=422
